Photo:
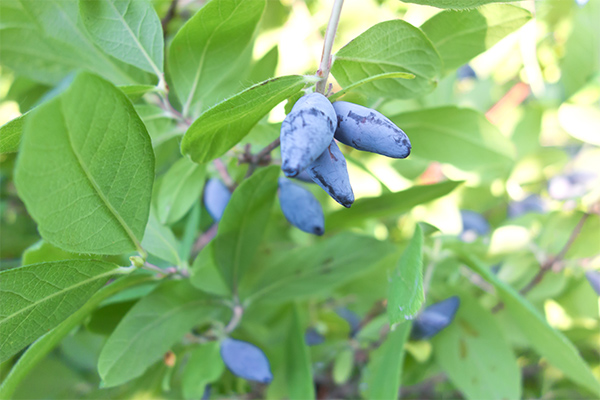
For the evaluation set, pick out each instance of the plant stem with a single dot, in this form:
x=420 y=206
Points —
x=204 y=239
x=547 y=266
x=325 y=66
x=255 y=160
x=222 y=169
x=238 y=311
x=549 y=263
x=168 y=16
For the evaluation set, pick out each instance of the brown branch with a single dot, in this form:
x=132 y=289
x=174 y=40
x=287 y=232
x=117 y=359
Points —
x=263 y=157
x=552 y=261
x=168 y=16
x=549 y=264
x=204 y=239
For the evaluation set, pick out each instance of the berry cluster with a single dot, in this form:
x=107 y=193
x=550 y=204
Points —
x=308 y=148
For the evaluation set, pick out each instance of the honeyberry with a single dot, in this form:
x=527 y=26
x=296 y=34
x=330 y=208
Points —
x=368 y=130
x=246 y=360
x=301 y=208
x=331 y=173
x=306 y=132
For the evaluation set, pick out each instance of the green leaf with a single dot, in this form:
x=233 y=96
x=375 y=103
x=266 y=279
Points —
x=476 y=356
x=150 y=328
x=203 y=367
x=319 y=268
x=405 y=288
x=400 y=48
x=243 y=224
x=205 y=275
x=581 y=60
x=264 y=68
x=299 y=377
x=37 y=297
x=128 y=30
x=456 y=4
x=181 y=187
x=10 y=134
x=221 y=127
x=387 y=75
x=135 y=92
x=342 y=366
x=549 y=343
x=43 y=251
x=81 y=202
x=40 y=349
x=383 y=372
x=458 y=136
x=388 y=204
x=208 y=46
x=45 y=40
x=160 y=241
x=459 y=36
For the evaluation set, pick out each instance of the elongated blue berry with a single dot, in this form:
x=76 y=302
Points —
x=305 y=132
x=368 y=130
x=434 y=318
x=474 y=225
x=246 y=360
x=301 y=208
x=593 y=278
x=330 y=172
x=216 y=196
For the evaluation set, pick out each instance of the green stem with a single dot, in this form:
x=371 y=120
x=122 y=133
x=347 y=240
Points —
x=38 y=350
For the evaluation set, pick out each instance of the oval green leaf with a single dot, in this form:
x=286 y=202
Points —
x=208 y=46
x=461 y=35
x=37 y=297
x=401 y=48
x=81 y=202
x=221 y=127
x=128 y=30
x=150 y=328
x=405 y=288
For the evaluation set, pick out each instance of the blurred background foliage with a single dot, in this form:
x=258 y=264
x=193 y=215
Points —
x=539 y=86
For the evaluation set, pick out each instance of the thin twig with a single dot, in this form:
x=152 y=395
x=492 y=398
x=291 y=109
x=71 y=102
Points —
x=261 y=157
x=168 y=16
x=549 y=263
x=222 y=170
x=552 y=261
x=325 y=66
x=236 y=318
x=204 y=239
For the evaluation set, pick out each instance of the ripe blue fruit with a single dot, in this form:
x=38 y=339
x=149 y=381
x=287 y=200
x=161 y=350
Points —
x=351 y=318
x=216 y=196
x=434 y=318
x=593 y=278
x=368 y=130
x=304 y=177
x=305 y=132
x=532 y=203
x=246 y=360
x=474 y=224
x=330 y=172
x=312 y=337
x=301 y=208
x=466 y=72
x=572 y=185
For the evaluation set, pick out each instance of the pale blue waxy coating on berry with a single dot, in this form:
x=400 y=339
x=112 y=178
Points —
x=305 y=132
x=301 y=208
x=593 y=278
x=475 y=222
x=331 y=173
x=216 y=196
x=434 y=318
x=246 y=360
x=369 y=130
